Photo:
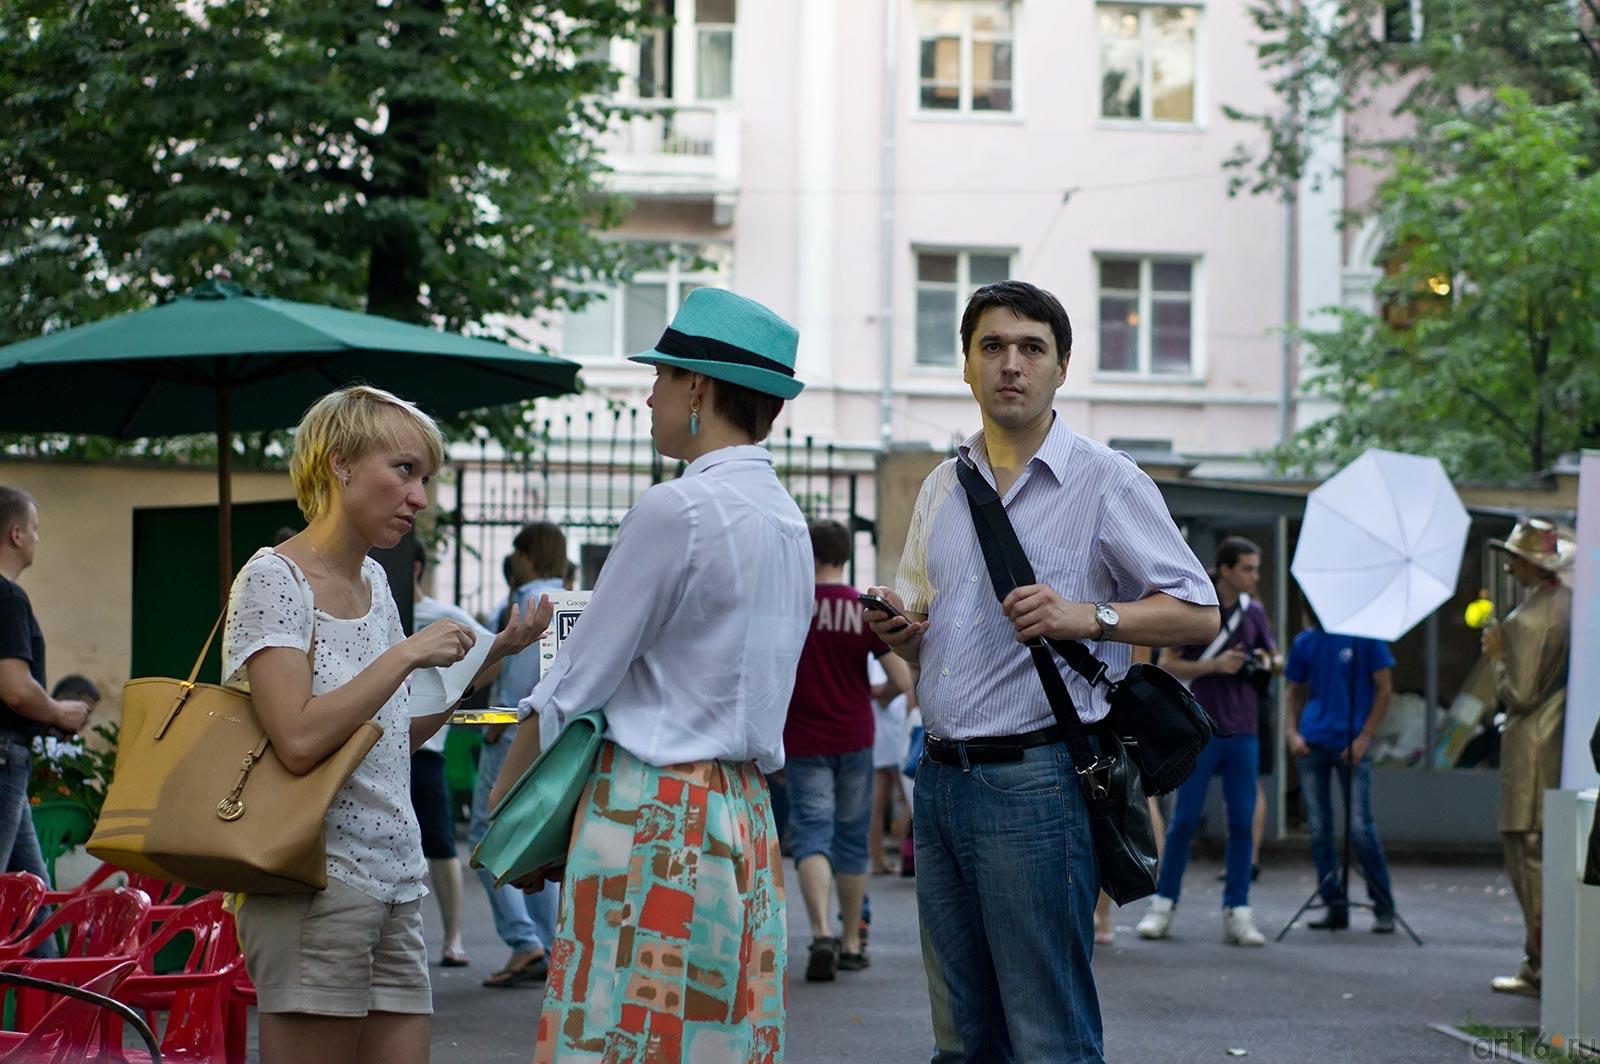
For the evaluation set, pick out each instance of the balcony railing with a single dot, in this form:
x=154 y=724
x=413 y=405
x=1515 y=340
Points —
x=688 y=152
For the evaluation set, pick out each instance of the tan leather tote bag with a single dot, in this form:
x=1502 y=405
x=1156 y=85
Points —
x=198 y=796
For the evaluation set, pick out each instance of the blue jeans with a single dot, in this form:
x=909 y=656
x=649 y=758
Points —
x=19 y=845
x=524 y=922
x=1235 y=759
x=1006 y=887
x=830 y=809
x=1315 y=789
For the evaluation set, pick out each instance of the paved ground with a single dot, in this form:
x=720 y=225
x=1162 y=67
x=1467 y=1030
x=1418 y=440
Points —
x=1314 y=997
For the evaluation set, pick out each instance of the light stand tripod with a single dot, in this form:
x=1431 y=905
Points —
x=1347 y=780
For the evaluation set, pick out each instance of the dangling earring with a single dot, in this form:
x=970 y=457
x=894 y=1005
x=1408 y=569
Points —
x=694 y=418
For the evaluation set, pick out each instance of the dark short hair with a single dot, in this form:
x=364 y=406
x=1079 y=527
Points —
x=1026 y=301
x=749 y=411
x=14 y=504
x=830 y=543
x=508 y=569
x=419 y=554
x=1231 y=549
x=75 y=686
x=283 y=535
x=544 y=545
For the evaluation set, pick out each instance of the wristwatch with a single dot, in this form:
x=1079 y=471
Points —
x=1109 y=618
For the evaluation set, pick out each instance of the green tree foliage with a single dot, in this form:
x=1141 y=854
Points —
x=1484 y=120
x=428 y=160
x=1488 y=355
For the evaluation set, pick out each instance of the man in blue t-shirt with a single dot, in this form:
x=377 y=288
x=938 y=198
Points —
x=1339 y=690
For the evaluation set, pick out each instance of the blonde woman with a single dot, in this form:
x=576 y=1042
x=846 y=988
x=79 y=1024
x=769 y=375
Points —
x=342 y=975
x=671 y=941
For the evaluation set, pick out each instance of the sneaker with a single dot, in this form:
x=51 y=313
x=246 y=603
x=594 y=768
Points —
x=1238 y=929
x=1515 y=984
x=824 y=961
x=1383 y=924
x=1335 y=920
x=1158 y=921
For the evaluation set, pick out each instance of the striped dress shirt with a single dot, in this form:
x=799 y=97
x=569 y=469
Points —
x=1094 y=528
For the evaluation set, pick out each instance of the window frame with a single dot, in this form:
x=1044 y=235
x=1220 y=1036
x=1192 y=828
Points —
x=964 y=111
x=1146 y=305
x=674 y=275
x=1197 y=121
x=963 y=288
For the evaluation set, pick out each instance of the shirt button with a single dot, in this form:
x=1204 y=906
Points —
x=974 y=578
x=958 y=624
x=946 y=672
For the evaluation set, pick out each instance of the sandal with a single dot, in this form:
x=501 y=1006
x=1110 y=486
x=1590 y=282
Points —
x=533 y=971
x=454 y=958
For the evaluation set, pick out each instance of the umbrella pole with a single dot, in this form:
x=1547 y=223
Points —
x=224 y=499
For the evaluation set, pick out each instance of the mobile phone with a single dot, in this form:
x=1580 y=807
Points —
x=874 y=602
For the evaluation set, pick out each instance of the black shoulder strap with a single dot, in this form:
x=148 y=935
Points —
x=1008 y=569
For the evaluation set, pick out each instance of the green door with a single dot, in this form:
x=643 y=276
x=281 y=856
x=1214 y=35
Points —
x=175 y=598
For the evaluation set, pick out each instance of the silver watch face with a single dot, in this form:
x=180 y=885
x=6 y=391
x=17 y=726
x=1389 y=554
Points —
x=1107 y=615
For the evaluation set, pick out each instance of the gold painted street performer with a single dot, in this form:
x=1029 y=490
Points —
x=1530 y=650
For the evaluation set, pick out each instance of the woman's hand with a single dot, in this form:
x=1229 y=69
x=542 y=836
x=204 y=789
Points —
x=523 y=628
x=440 y=644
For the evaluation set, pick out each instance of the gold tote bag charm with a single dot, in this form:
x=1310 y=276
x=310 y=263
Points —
x=232 y=807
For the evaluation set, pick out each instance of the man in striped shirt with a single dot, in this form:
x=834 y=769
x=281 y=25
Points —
x=1006 y=875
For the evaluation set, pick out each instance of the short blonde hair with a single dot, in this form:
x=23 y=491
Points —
x=350 y=423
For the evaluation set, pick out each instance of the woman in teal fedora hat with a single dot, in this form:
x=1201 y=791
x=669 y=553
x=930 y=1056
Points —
x=671 y=941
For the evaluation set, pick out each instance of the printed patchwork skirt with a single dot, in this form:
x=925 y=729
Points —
x=671 y=944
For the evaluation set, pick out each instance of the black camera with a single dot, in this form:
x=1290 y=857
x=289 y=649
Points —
x=1256 y=675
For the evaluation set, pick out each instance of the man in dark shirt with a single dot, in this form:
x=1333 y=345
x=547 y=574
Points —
x=827 y=741
x=26 y=708
x=1215 y=673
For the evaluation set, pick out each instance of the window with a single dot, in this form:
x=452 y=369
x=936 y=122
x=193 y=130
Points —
x=965 y=55
x=1147 y=316
x=1402 y=21
x=686 y=50
x=1148 y=60
x=945 y=280
x=625 y=320
x=713 y=36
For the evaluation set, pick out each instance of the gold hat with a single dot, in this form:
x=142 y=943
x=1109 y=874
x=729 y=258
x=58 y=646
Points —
x=1550 y=547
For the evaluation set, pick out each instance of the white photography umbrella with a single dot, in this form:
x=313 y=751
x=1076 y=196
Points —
x=1381 y=544
x=1380 y=549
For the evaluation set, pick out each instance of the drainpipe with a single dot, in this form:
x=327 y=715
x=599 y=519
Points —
x=886 y=237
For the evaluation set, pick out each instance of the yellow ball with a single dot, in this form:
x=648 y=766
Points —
x=1479 y=613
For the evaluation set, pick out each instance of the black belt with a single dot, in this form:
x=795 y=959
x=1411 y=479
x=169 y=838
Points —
x=989 y=748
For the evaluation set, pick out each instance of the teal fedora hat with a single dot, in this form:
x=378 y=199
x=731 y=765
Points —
x=731 y=338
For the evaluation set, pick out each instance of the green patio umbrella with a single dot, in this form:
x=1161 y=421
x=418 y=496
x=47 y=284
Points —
x=224 y=359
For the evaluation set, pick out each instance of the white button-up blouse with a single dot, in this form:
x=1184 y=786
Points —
x=691 y=640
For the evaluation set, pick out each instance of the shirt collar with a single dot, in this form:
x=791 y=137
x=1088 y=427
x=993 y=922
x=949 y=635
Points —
x=1052 y=453
x=749 y=452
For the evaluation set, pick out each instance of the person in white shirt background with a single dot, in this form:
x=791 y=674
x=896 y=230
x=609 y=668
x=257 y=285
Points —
x=672 y=931
x=430 y=791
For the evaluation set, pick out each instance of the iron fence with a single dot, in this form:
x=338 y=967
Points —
x=584 y=473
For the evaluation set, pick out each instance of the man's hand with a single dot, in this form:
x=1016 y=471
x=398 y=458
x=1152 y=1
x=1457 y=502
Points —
x=903 y=636
x=71 y=716
x=1492 y=641
x=1229 y=662
x=1298 y=745
x=1036 y=610
x=1353 y=753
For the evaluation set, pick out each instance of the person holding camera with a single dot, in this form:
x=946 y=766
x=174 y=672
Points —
x=1226 y=677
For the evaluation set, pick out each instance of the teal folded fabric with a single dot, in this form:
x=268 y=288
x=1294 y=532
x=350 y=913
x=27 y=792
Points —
x=531 y=827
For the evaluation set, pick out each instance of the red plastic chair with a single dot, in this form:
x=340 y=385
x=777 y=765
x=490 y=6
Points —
x=21 y=894
x=70 y=1031
x=196 y=999
x=105 y=923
